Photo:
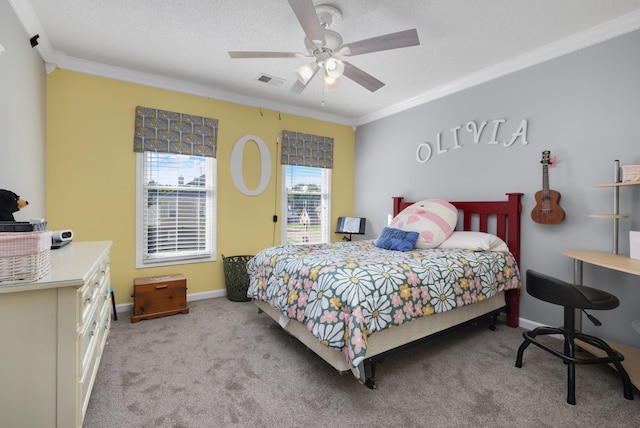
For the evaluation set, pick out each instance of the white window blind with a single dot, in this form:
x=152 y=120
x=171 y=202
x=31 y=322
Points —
x=306 y=206
x=176 y=208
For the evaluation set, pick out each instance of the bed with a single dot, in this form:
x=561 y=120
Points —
x=353 y=303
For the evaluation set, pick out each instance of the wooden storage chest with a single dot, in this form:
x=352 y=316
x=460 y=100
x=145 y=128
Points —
x=159 y=296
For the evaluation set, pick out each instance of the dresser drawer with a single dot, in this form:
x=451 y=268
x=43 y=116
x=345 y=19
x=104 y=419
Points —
x=91 y=292
x=95 y=294
x=91 y=360
x=155 y=297
x=87 y=340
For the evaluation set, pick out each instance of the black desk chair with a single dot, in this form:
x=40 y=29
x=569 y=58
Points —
x=571 y=296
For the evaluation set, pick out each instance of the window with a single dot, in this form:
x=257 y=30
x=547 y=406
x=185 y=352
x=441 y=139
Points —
x=175 y=205
x=306 y=204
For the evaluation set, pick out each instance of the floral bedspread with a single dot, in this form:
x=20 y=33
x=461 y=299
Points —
x=343 y=292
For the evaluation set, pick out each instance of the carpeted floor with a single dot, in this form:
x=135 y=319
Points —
x=223 y=364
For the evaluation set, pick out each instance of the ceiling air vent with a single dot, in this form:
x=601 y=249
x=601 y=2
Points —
x=271 y=80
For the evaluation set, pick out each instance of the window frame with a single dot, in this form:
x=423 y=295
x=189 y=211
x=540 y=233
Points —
x=142 y=259
x=325 y=205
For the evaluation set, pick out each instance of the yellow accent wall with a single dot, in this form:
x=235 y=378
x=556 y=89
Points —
x=91 y=171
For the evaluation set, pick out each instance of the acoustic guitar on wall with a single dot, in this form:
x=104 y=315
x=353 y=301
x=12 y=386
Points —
x=547 y=209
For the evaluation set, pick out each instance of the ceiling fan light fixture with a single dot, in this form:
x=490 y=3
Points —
x=306 y=72
x=330 y=83
x=334 y=68
x=322 y=42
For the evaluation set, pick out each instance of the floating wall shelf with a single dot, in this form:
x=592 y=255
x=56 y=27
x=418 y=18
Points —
x=616 y=216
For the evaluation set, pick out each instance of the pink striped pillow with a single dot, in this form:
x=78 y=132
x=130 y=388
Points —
x=433 y=219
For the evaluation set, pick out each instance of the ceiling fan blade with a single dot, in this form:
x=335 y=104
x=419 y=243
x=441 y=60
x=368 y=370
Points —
x=297 y=88
x=253 y=54
x=306 y=14
x=362 y=78
x=401 y=39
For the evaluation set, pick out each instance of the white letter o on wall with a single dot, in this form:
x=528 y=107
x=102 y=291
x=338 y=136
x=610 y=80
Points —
x=236 y=165
x=420 y=157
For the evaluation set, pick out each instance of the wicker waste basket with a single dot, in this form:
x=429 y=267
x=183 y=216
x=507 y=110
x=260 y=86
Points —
x=236 y=277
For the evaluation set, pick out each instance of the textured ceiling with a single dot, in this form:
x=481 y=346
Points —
x=178 y=42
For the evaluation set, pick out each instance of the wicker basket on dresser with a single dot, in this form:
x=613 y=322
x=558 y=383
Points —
x=53 y=333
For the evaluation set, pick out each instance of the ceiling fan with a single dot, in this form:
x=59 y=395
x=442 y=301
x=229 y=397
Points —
x=325 y=47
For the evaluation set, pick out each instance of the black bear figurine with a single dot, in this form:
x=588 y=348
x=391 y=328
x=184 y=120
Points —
x=10 y=203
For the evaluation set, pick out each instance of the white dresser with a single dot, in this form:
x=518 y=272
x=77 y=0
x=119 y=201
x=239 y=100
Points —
x=52 y=334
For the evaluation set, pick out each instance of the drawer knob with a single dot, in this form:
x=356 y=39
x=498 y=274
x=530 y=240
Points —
x=159 y=287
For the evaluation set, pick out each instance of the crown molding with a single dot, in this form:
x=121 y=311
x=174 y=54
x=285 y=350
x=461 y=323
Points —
x=600 y=33
x=55 y=59
x=52 y=58
x=147 y=79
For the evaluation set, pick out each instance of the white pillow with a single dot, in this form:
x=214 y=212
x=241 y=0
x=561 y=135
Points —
x=433 y=219
x=476 y=241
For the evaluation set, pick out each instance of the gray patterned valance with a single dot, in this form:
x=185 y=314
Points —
x=169 y=132
x=306 y=150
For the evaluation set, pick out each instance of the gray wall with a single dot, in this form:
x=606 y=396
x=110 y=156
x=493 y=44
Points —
x=22 y=116
x=584 y=107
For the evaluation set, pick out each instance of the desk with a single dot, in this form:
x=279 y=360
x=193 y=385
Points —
x=620 y=263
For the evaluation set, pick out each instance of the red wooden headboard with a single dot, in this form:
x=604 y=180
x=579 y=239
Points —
x=503 y=217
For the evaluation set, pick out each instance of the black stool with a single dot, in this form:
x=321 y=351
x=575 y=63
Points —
x=571 y=296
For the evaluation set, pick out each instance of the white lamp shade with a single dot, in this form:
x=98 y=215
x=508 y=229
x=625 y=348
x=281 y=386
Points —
x=334 y=68
x=306 y=72
x=330 y=83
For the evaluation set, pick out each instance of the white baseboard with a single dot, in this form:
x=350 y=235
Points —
x=530 y=325
x=127 y=307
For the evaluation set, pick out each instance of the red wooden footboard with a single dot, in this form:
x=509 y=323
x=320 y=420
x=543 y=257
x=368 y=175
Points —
x=501 y=218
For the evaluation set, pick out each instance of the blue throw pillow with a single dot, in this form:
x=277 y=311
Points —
x=396 y=239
